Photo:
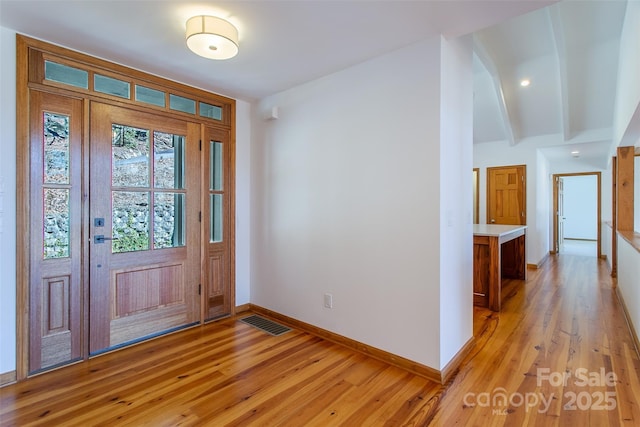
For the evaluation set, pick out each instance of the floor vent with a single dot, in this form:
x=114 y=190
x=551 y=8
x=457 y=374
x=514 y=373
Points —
x=265 y=325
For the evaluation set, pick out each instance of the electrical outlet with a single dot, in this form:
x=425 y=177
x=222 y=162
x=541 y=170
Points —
x=328 y=300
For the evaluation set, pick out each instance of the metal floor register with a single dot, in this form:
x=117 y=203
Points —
x=265 y=325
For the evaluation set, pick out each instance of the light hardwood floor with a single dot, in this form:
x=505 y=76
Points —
x=566 y=324
x=565 y=319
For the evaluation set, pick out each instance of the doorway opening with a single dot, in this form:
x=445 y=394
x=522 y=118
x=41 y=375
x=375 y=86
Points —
x=576 y=214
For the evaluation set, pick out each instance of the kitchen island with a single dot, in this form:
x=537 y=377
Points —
x=498 y=251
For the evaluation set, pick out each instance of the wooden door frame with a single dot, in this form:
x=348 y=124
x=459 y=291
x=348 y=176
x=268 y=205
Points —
x=524 y=190
x=554 y=209
x=614 y=217
x=476 y=207
x=30 y=71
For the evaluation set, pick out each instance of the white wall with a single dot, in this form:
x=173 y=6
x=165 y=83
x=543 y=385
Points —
x=346 y=192
x=636 y=194
x=456 y=216
x=580 y=194
x=543 y=207
x=628 y=87
x=578 y=166
x=243 y=202
x=8 y=201
x=607 y=242
x=628 y=273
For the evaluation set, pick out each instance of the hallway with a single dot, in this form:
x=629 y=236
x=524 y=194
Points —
x=560 y=353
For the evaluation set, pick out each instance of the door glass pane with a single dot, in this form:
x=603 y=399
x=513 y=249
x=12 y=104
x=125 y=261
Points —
x=215 y=162
x=130 y=157
x=130 y=216
x=56 y=223
x=168 y=220
x=56 y=149
x=168 y=159
x=215 y=205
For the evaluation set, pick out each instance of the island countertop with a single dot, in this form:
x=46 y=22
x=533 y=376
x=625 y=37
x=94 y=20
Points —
x=496 y=230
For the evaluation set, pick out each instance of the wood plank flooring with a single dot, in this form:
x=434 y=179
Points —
x=565 y=323
x=564 y=319
x=224 y=374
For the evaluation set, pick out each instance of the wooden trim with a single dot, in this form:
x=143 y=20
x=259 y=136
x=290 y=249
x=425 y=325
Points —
x=554 y=214
x=451 y=369
x=541 y=262
x=624 y=187
x=23 y=214
x=242 y=308
x=390 y=358
x=476 y=208
x=614 y=223
x=632 y=330
x=598 y=212
x=41 y=50
x=8 y=378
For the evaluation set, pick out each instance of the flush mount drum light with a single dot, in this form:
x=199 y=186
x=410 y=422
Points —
x=212 y=37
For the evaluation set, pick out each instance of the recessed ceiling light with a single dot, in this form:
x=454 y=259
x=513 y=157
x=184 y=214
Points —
x=525 y=82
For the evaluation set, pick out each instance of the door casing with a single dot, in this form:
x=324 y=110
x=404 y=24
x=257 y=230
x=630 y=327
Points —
x=555 y=208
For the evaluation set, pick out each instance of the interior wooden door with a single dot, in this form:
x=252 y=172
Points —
x=144 y=226
x=55 y=272
x=506 y=195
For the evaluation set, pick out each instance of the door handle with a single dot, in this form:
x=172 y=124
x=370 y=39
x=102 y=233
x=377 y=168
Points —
x=99 y=238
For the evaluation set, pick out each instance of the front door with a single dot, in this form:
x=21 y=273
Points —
x=144 y=229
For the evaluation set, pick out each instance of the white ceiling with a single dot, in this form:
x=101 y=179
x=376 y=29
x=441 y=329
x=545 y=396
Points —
x=568 y=50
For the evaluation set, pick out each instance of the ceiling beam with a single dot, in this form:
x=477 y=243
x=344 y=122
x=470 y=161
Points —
x=557 y=33
x=489 y=65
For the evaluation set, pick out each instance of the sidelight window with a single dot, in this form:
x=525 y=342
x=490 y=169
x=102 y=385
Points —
x=56 y=185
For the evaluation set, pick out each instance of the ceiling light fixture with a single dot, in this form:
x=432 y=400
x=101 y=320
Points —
x=525 y=82
x=212 y=37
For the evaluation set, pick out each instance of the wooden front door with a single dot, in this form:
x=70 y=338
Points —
x=144 y=227
x=506 y=195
